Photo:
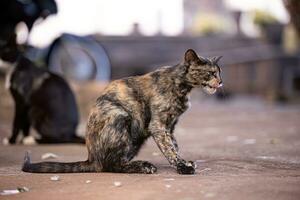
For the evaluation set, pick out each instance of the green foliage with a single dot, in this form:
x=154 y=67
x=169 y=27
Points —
x=263 y=18
x=208 y=24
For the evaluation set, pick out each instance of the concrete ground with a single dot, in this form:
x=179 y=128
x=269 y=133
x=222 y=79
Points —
x=244 y=149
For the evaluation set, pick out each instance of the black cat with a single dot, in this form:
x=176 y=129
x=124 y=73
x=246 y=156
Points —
x=42 y=99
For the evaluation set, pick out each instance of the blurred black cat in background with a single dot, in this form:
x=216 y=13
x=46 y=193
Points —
x=42 y=99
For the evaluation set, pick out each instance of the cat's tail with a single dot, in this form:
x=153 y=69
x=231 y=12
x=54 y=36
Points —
x=57 y=167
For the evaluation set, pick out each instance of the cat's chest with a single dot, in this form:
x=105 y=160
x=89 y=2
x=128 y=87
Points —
x=177 y=106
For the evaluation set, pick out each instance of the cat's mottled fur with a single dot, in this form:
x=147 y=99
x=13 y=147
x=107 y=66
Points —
x=131 y=110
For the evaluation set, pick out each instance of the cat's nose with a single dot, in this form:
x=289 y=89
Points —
x=220 y=84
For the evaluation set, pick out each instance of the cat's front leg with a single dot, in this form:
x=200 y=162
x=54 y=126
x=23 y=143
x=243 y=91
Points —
x=164 y=141
x=174 y=142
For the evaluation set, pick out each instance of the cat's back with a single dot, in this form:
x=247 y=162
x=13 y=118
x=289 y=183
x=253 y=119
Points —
x=134 y=90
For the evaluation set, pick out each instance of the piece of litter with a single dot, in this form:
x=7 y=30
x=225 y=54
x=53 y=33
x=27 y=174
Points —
x=169 y=179
x=231 y=138
x=249 y=141
x=117 y=183
x=9 y=192
x=55 y=178
x=88 y=181
x=266 y=157
x=155 y=154
x=15 y=191
x=49 y=156
x=168 y=186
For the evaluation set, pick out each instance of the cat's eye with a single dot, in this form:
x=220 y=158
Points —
x=213 y=73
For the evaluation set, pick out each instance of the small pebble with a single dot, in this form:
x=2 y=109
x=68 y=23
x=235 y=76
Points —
x=55 y=178
x=117 y=183
x=88 y=181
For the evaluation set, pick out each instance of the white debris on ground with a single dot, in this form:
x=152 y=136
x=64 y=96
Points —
x=88 y=181
x=9 y=192
x=168 y=186
x=46 y=156
x=14 y=191
x=55 y=178
x=169 y=179
x=265 y=157
x=249 y=141
x=117 y=184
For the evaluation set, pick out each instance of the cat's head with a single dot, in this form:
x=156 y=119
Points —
x=203 y=72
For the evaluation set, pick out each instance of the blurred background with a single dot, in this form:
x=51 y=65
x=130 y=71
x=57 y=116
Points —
x=91 y=42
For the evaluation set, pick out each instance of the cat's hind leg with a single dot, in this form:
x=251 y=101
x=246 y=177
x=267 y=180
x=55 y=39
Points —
x=115 y=144
x=21 y=122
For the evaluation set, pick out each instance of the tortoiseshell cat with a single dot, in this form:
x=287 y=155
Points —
x=131 y=110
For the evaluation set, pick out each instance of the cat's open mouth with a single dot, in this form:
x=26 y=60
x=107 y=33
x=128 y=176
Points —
x=210 y=89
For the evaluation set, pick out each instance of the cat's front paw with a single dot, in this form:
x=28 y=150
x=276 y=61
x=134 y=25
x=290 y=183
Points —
x=12 y=141
x=186 y=167
x=5 y=141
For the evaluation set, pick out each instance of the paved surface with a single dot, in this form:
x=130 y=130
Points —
x=245 y=149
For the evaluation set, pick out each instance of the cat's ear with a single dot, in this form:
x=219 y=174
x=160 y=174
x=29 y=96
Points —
x=203 y=60
x=190 y=56
x=216 y=59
